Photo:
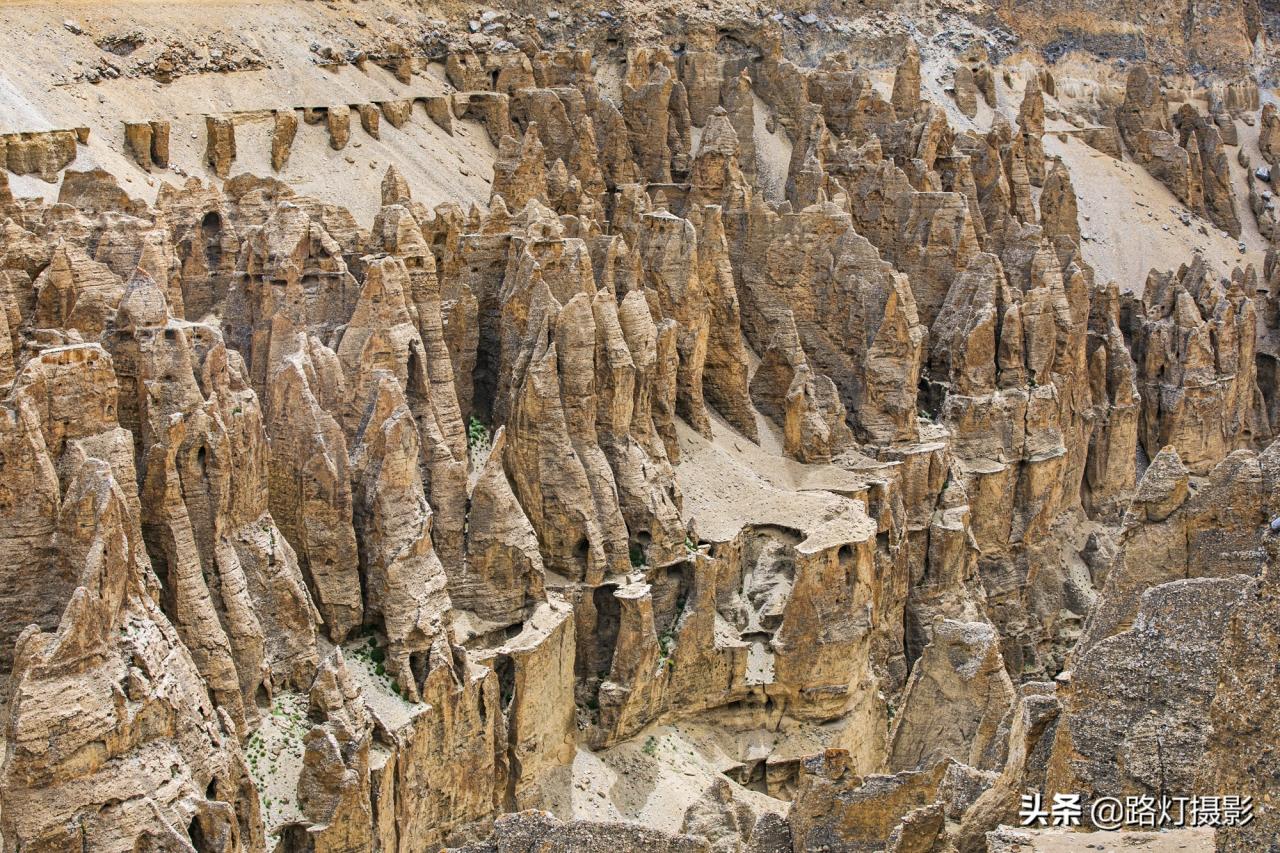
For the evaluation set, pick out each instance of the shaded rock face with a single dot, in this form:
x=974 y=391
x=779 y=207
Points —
x=835 y=809
x=957 y=693
x=751 y=396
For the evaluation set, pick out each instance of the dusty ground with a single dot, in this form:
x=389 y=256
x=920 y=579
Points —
x=278 y=37
x=274 y=753
x=1133 y=222
x=656 y=775
x=730 y=482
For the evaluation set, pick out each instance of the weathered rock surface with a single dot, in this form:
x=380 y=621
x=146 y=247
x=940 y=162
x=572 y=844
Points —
x=762 y=393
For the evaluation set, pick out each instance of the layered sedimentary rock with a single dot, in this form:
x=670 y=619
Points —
x=845 y=444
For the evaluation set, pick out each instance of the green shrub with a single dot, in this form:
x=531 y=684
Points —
x=477 y=434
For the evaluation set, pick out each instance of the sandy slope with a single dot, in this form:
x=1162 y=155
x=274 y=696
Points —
x=729 y=483
x=33 y=96
x=655 y=776
x=1133 y=222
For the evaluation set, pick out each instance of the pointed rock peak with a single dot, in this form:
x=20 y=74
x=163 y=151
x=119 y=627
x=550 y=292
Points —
x=906 y=81
x=508 y=147
x=531 y=142
x=496 y=446
x=1031 y=113
x=143 y=305
x=541 y=221
x=395 y=189
x=719 y=136
x=498 y=208
x=385 y=285
x=786 y=339
x=1164 y=487
x=333 y=688
x=386 y=399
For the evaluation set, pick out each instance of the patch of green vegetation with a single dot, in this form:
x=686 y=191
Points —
x=374 y=658
x=666 y=642
x=477 y=435
x=650 y=747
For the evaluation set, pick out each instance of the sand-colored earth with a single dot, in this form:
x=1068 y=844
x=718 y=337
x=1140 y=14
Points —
x=1133 y=223
x=439 y=166
x=654 y=777
x=730 y=482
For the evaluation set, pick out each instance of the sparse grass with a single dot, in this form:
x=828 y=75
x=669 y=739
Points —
x=650 y=747
x=277 y=747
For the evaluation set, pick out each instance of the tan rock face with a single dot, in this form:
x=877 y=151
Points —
x=220 y=145
x=1184 y=151
x=43 y=153
x=115 y=658
x=282 y=136
x=956 y=696
x=753 y=400
x=1269 y=135
x=965 y=90
x=1188 y=324
x=333 y=787
x=835 y=808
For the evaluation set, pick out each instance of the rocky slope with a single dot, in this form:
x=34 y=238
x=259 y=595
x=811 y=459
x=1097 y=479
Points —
x=738 y=431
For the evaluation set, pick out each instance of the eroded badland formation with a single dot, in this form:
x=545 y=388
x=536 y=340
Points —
x=653 y=427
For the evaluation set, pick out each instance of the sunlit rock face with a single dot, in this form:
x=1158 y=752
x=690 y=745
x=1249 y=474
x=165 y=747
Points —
x=650 y=429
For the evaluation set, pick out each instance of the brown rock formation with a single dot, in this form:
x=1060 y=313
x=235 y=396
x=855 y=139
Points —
x=220 y=144
x=1193 y=340
x=754 y=404
x=282 y=135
